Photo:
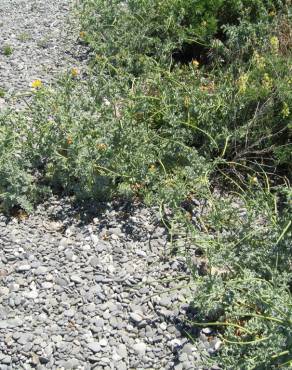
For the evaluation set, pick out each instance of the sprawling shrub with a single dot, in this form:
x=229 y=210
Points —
x=128 y=31
x=182 y=98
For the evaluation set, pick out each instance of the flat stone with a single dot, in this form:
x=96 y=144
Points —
x=3 y=324
x=165 y=302
x=121 y=350
x=69 y=313
x=61 y=281
x=76 y=279
x=135 y=317
x=188 y=349
x=41 y=270
x=33 y=294
x=47 y=285
x=6 y=360
x=23 y=268
x=4 y=291
x=16 y=322
x=94 y=347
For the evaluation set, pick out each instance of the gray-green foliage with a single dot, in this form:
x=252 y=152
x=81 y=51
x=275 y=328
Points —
x=245 y=292
x=143 y=124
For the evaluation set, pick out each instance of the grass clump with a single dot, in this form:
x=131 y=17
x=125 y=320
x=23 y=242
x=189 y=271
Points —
x=7 y=50
x=183 y=100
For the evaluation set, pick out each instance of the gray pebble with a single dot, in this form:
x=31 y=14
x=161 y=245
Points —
x=140 y=348
x=23 y=268
x=76 y=279
x=94 y=347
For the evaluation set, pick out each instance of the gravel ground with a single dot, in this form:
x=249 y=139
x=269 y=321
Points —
x=81 y=288
x=38 y=40
x=101 y=293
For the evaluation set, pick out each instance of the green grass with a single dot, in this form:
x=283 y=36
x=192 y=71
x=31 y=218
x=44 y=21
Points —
x=7 y=50
x=24 y=36
x=183 y=100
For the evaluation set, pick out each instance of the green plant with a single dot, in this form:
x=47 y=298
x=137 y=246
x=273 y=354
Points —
x=7 y=50
x=182 y=100
x=24 y=36
x=245 y=290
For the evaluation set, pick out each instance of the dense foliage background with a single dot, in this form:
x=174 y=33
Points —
x=184 y=100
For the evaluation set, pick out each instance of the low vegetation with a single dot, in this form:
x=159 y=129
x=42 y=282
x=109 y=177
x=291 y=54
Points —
x=184 y=101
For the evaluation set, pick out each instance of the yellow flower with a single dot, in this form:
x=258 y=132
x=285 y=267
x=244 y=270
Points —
x=285 y=111
x=195 y=63
x=82 y=34
x=242 y=82
x=272 y=13
x=152 y=168
x=208 y=88
x=259 y=60
x=75 y=72
x=36 y=84
x=101 y=146
x=274 y=42
x=69 y=140
x=267 y=81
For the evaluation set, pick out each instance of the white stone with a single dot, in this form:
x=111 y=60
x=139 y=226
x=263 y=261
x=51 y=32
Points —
x=140 y=348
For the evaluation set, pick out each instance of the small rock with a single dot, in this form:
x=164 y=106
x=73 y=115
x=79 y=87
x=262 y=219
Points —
x=140 y=348
x=122 y=350
x=33 y=294
x=43 y=360
x=61 y=281
x=41 y=270
x=94 y=261
x=103 y=342
x=94 y=347
x=69 y=313
x=207 y=330
x=23 y=268
x=47 y=285
x=4 y=291
x=165 y=302
x=135 y=317
x=76 y=279
x=6 y=360
x=163 y=326
x=188 y=349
